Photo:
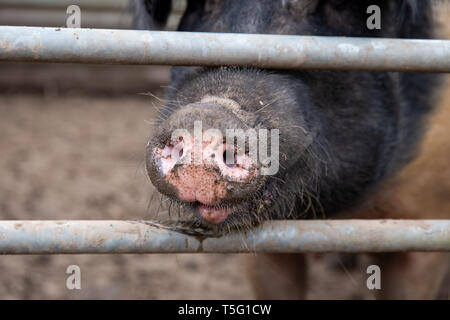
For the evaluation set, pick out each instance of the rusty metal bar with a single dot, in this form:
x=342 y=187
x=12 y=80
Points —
x=213 y=49
x=79 y=237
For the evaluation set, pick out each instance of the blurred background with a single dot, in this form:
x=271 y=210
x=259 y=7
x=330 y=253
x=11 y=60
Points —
x=72 y=141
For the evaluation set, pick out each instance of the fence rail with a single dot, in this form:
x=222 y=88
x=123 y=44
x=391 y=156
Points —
x=213 y=49
x=52 y=4
x=210 y=49
x=80 y=237
x=119 y=5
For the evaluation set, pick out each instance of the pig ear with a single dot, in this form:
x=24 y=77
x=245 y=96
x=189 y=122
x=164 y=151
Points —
x=151 y=14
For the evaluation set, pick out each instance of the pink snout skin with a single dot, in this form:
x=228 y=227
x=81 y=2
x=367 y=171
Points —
x=204 y=180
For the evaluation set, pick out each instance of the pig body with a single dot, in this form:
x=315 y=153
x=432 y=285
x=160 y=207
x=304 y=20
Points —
x=341 y=133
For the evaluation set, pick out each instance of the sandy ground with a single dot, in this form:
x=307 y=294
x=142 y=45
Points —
x=81 y=158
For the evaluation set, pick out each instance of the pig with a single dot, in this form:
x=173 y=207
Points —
x=341 y=136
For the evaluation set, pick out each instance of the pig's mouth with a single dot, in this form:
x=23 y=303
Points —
x=213 y=214
x=226 y=216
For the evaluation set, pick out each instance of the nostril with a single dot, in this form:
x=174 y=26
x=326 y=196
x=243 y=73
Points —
x=231 y=163
x=181 y=152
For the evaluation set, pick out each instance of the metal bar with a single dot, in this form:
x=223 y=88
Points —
x=79 y=237
x=49 y=4
x=177 y=6
x=213 y=49
x=89 y=19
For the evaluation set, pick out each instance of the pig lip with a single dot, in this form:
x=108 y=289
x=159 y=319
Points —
x=214 y=214
x=238 y=211
x=218 y=214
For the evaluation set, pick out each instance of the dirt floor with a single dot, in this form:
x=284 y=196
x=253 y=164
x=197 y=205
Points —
x=82 y=158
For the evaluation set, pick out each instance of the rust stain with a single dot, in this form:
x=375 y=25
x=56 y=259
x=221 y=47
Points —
x=36 y=48
x=6 y=45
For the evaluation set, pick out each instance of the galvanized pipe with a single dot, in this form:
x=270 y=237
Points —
x=77 y=237
x=57 y=4
x=178 y=6
x=213 y=49
x=90 y=19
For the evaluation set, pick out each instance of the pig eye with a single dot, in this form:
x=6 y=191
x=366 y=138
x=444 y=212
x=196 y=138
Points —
x=230 y=164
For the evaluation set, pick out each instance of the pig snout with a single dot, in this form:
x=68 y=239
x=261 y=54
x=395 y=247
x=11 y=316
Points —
x=191 y=161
